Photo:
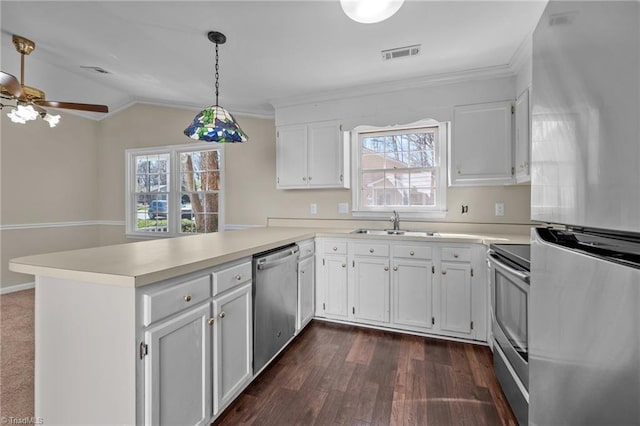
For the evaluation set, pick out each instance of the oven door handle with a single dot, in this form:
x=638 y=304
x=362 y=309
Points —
x=523 y=276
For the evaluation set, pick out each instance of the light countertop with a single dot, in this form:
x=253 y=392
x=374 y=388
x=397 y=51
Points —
x=141 y=263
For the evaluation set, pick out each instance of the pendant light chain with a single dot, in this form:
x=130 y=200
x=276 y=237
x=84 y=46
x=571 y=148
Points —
x=217 y=74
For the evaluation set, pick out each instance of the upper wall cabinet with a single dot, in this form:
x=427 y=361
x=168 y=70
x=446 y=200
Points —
x=311 y=156
x=480 y=151
x=523 y=138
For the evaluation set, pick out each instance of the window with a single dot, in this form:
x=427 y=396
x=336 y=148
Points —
x=400 y=168
x=174 y=190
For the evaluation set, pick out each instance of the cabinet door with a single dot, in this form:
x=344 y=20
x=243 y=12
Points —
x=480 y=149
x=334 y=286
x=178 y=370
x=523 y=138
x=305 y=292
x=412 y=283
x=371 y=290
x=233 y=344
x=455 y=299
x=326 y=155
x=291 y=157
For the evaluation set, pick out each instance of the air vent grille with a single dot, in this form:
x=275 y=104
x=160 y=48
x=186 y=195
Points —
x=401 y=52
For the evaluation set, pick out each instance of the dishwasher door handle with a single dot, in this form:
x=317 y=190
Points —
x=274 y=263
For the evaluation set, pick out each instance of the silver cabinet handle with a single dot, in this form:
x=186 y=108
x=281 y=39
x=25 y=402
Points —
x=211 y=321
x=386 y=268
x=239 y=277
x=456 y=255
x=309 y=177
x=444 y=272
x=344 y=265
x=335 y=248
x=411 y=253
x=395 y=268
x=187 y=298
x=222 y=314
x=304 y=178
x=371 y=250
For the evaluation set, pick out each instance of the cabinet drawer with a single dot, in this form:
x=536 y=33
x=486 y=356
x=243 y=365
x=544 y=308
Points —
x=230 y=277
x=173 y=299
x=306 y=248
x=372 y=249
x=335 y=247
x=412 y=252
x=456 y=254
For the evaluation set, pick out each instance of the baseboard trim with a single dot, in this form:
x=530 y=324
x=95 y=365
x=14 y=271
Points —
x=17 y=287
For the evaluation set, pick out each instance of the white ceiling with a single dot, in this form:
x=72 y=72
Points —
x=158 y=51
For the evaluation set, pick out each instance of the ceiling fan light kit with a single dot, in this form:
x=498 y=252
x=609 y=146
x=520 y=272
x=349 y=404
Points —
x=370 y=11
x=214 y=123
x=30 y=100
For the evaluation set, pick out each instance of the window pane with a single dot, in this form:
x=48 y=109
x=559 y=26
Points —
x=410 y=162
x=152 y=212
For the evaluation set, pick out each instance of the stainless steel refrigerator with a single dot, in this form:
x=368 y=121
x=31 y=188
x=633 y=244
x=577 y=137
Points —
x=584 y=315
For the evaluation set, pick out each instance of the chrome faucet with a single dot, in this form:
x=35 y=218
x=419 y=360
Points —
x=395 y=219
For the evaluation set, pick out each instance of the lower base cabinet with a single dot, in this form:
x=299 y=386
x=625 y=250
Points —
x=425 y=287
x=456 y=308
x=233 y=345
x=196 y=359
x=178 y=386
x=412 y=294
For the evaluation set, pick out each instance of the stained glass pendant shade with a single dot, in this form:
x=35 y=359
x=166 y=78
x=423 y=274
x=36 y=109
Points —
x=214 y=123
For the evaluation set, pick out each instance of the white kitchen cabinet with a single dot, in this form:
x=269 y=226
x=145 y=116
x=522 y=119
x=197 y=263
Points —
x=291 y=157
x=523 y=138
x=331 y=279
x=233 y=344
x=480 y=150
x=311 y=155
x=334 y=285
x=455 y=298
x=371 y=289
x=177 y=369
x=306 y=292
x=412 y=293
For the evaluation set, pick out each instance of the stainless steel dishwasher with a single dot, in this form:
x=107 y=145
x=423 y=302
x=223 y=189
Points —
x=275 y=294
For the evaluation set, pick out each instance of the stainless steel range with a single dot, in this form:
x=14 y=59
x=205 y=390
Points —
x=509 y=271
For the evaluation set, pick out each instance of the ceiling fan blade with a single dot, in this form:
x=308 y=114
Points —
x=73 y=105
x=11 y=84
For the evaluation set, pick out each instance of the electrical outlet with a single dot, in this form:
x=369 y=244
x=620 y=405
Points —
x=499 y=209
x=343 y=207
x=313 y=208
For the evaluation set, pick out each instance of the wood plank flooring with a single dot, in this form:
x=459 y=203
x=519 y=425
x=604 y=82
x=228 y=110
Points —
x=346 y=375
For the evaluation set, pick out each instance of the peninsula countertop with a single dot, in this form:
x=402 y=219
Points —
x=141 y=263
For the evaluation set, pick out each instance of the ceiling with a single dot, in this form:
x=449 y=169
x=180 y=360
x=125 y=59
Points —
x=158 y=52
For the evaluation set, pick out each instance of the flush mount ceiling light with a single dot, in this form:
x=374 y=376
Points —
x=214 y=123
x=370 y=11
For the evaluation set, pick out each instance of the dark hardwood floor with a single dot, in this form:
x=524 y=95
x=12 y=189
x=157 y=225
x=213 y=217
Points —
x=341 y=374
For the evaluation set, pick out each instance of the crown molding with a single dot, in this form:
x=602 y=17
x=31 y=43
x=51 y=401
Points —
x=522 y=55
x=399 y=85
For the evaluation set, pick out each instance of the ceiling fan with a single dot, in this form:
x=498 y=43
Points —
x=30 y=100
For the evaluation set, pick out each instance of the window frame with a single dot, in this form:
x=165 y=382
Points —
x=411 y=212
x=174 y=189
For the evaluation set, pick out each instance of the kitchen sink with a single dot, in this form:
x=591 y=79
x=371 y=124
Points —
x=404 y=232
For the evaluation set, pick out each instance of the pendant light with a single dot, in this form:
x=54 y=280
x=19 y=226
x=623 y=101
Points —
x=214 y=123
x=370 y=11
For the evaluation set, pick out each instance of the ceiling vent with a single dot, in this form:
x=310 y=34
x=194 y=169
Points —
x=401 y=52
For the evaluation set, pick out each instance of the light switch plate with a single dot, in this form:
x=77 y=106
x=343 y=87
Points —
x=343 y=207
x=313 y=208
x=499 y=209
